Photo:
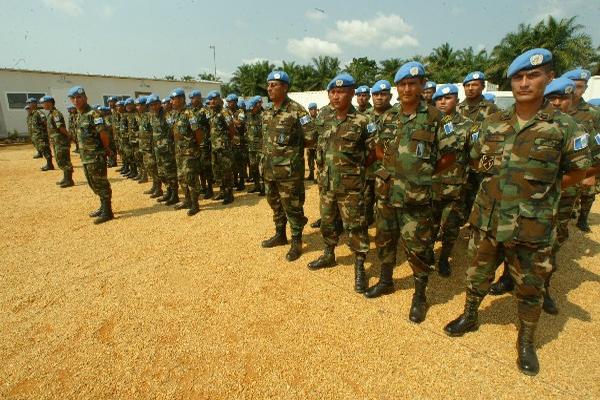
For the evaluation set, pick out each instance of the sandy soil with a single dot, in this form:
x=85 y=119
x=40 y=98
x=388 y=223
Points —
x=157 y=305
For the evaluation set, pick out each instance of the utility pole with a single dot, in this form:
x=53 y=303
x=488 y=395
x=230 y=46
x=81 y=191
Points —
x=213 y=47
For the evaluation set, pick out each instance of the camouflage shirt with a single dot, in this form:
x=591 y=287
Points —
x=72 y=122
x=36 y=124
x=254 y=130
x=284 y=132
x=115 y=121
x=522 y=169
x=184 y=127
x=220 y=121
x=162 y=138
x=201 y=116
x=477 y=112
x=55 y=121
x=88 y=126
x=342 y=147
x=589 y=119
x=374 y=117
x=411 y=152
x=145 y=135
x=132 y=126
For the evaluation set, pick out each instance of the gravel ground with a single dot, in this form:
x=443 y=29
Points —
x=159 y=305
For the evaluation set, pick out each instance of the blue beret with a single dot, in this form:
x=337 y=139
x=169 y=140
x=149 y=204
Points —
x=411 y=69
x=177 y=92
x=140 y=100
x=529 y=60
x=195 y=93
x=595 y=102
x=166 y=100
x=213 y=94
x=27 y=107
x=490 y=97
x=577 y=74
x=31 y=100
x=362 y=89
x=279 y=76
x=46 y=98
x=341 y=80
x=430 y=85
x=128 y=101
x=105 y=108
x=258 y=98
x=312 y=106
x=445 y=89
x=111 y=98
x=561 y=86
x=474 y=76
x=96 y=107
x=75 y=90
x=231 y=97
x=241 y=102
x=252 y=102
x=119 y=103
x=153 y=98
x=380 y=86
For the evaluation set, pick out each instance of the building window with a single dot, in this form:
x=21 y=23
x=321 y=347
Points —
x=138 y=94
x=123 y=97
x=16 y=101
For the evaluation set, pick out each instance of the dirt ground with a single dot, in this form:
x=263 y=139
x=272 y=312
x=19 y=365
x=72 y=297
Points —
x=158 y=305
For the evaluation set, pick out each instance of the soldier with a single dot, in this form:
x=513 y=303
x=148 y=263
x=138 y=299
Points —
x=147 y=149
x=522 y=153
x=129 y=136
x=38 y=130
x=382 y=97
x=206 y=177
x=141 y=136
x=342 y=149
x=590 y=117
x=30 y=114
x=311 y=152
x=94 y=148
x=490 y=97
x=188 y=133
x=448 y=185
x=237 y=141
x=428 y=92
x=121 y=129
x=71 y=125
x=407 y=142
x=222 y=131
x=362 y=98
x=57 y=130
x=113 y=124
x=254 y=140
x=166 y=104
x=287 y=128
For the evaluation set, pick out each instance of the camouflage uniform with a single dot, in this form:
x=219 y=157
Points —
x=146 y=146
x=220 y=121
x=254 y=141
x=370 y=199
x=61 y=142
x=206 y=173
x=284 y=132
x=72 y=121
x=514 y=214
x=126 y=148
x=38 y=129
x=164 y=149
x=133 y=135
x=187 y=150
x=239 y=148
x=114 y=121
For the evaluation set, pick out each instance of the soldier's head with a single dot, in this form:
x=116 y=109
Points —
x=474 y=83
x=129 y=104
x=196 y=98
x=166 y=104
x=214 y=100
x=153 y=102
x=47 y=102
x=112 y=102
x=232 y=101
x=363 y=94
x=428 y=91
x=446 y=98
x=28 y=108
x=382 y=95
x=78 y=97
x=178 y=99
x=119 y=106
x=580 y=77
x=341 y=91
x=491 y=97
x=140 y=104
x=256 y=104
x=529 y=74
x=313 y=110
x=560 y=93
x=32 y=102
x=278 y=84
x=409 y=81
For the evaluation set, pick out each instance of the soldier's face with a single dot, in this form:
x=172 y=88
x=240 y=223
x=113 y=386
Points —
x=428 y=94
x=232 y=105
x=178 y=102
x=120 y=109
x=155 y=107
x=47 y=105
x=381 y=99
x=447 y=103
x=528 y=86
x=129 y=107
x=80 y=101
x=473 y=89
x=140 y=108
x=196 y=101
x=409 y=90
x=276 y=90
x=313 y=112
x=580 y=87
x=341 y=98
x=362 y=99
x=112 y=104
x=561 y=103
x=167 y=106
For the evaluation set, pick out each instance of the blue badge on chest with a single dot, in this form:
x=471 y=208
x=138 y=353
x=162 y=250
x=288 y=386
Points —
x=420 y=150
x=371 y=127
x=305 y=120
x=281 y=138
x=580 y=142
x=474 y=136
x=449 y=128
x=597 y=138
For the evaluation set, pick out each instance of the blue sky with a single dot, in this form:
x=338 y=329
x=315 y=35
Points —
x=172 y=37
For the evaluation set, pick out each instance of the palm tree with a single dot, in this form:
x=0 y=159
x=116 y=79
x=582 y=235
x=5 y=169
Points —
x=442 y=64
x=326 y=68
x=388 y=68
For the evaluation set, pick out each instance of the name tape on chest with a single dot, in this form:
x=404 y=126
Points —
x=98 y=121
x=305 y=120
x=449 y=128
x=580 y=142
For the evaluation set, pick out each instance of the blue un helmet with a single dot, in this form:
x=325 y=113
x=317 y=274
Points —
x=46 y=98
x=75 y=90
x=177 y=92
x=211 y=95
x=281 y=76
x=195 y=93
x=342 y=80
x=531 y=59
x=232 y=97
x=380 y=86
x=443 y=90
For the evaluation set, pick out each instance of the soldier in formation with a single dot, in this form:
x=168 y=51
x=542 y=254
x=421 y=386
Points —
x=60 y=139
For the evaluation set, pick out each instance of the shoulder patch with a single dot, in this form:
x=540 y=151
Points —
x=580 y=142
x=98 y=121
x=448 y=128
x=305 y=120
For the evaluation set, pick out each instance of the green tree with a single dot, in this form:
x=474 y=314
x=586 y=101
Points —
x=469 y=61
x=442 y=64
x=170 y=77
x=326 y=68
x=250 y=79
x=205 y=76
x=363 y=70
x=187 y=78
x=388 y=68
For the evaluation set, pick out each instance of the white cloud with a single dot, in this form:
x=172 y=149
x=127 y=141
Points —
x=308 y=47
x=260 y=59
x=315 y=14
x=70 y=7
x=385 y=31
x=108 y=11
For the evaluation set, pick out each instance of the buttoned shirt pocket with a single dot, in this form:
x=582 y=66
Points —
x=421 y=143
x=491 y=154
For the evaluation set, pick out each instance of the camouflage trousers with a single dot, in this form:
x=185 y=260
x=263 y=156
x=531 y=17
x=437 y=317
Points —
x=138 y=156
x=470 y=192
x=41 y=144
x=286 y=199
x=206 y=171
x=254 y=158
x=150 y=164
x=223 y=167
x=529 y=266
x=166 y=167
x=311 y=155
x=411 y=226
x=448 y=216
x=95 y=174
x=587 y=197
x=188 y=171
x=62 y=154
x=125 y=150
x=369 y=194
x=240 y=162
x=350 y=207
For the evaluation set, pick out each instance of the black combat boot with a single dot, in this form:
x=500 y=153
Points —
x=443 y=264
x=221 y=194
x=582 y=221
x=504 y=284
x=49 y=166
x=241 y=185
x=385 y=284
x=360 y=276
x=549 y=305
x=166 y=196
x=209 y=190
x=255 y=188
x=527 y=358
x=124 y=170
x=311 y=175
x=325 y=261
x=37 y=155
x=68 y=180
x=295 y=249
x=186 y=203
x=202 y=185
x=144 y=178
x=96 y=213
x=195 y=207
x=228 y=199
x=106 y=214
x=133 y=172
x=174 y=199
x=467 y=321
x=158 y=191
x=262 y=190
x=279 y=239
x=316 y=224
x=63 y=179
x=418 y=308
x=152 y=189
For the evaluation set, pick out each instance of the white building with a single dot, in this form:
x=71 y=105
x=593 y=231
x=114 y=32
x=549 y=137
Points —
x=16 y=85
